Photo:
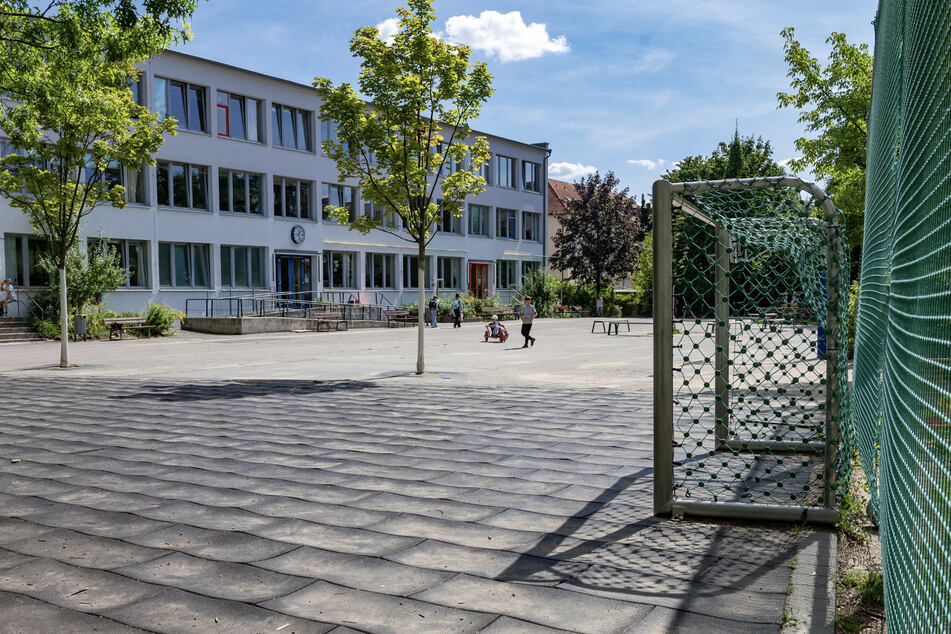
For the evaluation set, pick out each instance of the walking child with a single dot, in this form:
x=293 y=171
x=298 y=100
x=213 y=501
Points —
x=527 y=314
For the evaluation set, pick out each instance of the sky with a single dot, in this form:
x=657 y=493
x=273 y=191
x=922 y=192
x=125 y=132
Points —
x=630 y=86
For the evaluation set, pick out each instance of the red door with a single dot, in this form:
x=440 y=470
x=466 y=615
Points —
x=478 y=279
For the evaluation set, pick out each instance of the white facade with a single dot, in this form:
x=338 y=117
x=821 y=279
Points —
x=182 y=232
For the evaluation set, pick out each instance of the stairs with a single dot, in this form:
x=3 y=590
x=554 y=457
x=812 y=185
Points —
x=16 y=330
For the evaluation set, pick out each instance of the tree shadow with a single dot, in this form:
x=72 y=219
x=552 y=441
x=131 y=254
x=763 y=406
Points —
x=239 y=389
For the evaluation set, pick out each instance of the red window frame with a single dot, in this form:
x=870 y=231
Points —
x=227 y=131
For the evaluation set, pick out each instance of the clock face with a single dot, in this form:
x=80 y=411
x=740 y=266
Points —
x=297 y=234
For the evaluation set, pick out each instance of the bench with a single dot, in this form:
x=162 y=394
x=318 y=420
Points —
x=608 y=324
x=121 y=324
x=325 y=319
x=399 y=317
x=501 y=311
x=567 y=311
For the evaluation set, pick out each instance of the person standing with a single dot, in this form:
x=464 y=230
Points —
x=433 y=310
x=599 y=306
x=456 y=306
x=528 y=313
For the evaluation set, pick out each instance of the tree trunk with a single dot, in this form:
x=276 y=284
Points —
x=421 y=317
x=63 y=320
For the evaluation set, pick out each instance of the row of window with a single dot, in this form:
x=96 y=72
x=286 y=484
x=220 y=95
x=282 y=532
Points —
x=241 y=117
x=186 y=265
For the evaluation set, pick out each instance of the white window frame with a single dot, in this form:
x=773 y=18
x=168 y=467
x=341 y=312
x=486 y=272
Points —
x=226 y=201
x=192 y=247
x=170 y=203
x=231 y=260
x=189 y=116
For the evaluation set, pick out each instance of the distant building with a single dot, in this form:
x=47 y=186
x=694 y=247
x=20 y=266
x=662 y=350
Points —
x=234 y=206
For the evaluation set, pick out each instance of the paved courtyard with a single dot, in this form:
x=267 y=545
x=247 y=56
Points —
x=306 y=483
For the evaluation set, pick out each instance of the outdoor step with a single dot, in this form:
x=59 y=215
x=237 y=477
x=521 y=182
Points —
x=12 y=322
x=21 y=330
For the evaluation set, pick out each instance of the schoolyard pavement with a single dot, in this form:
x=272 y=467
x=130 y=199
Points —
x=307 y=483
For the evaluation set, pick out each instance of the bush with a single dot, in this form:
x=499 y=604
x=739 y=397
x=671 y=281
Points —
x=643 y=278
x=162 y=318
x=542 y=287
x=88 y=274
x=853 y=315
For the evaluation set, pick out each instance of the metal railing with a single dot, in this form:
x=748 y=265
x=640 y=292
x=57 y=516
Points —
x=289 y=304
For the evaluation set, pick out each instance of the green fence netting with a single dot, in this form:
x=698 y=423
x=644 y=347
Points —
x=902 y=374
x=760 y=280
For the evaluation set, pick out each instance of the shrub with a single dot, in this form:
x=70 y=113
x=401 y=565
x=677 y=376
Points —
x=88 y=274
x=853 y=315
x=162 y=318
x=542 y=287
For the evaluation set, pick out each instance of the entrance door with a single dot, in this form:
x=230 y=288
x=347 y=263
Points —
x=478 y=279
x=293 y=278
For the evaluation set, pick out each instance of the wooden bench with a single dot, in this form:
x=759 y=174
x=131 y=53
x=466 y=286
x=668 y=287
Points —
x=399 y=318
x=325 y=319
x=608 y=324
x=121 y=324
x=501 y=311
x=567 y=311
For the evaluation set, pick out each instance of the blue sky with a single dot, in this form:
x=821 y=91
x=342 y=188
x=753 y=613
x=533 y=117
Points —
x=625 y=85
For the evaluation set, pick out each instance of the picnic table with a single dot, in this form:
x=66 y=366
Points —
x=608 y=324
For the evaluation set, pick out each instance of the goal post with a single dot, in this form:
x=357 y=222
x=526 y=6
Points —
x=750 y=364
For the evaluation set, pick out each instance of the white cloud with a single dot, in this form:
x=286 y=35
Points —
x=652 y=59
x=785 y=162
x=647 y=163
x=569 y=171
x=388 y=29
x=504 y=35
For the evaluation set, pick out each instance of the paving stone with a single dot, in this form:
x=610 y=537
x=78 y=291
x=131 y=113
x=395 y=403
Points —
x=629 y=585
x=12 y=530
x=179 y=611
x=661 y=619
x=377 y=612
x=84 y=550
x=238 y=582
x=536 y=503
x=9 y=559
x=477 y=479
x=443 y=509
x=403 y=487
x=508 y=625
x=333 y=514
x=491 y=564
x=348 y=540
x=206 y=495
x=23 y=505
x=17 y=610
x=96 y=522
x=546 y=606
x=106 y=500
x=210 y=517
x=355 y=571
x=464 y=533
x=211 y=544
x=24 y=485
x=75 y=588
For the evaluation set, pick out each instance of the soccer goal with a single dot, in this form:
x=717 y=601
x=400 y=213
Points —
x=751 y=285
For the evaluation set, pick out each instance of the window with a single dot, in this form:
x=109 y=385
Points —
x=506 y=220
x=507 y=175
x=506 y=273
x=181 y=185
x=530 y=177
x=240 y=192
x=411 y=272
x=292 y=128
x=380 y=270
x=529 y=268
x=239 y=117
x=184 y=102
x=114 y=174
x=532 y=226
x=292 y=197
x=184 y=265
x=339 y=270
x=485 y=172
x=448 y=221
x=387 y=217
x=450 y=272
x=478 y=220
x=337 y=196
x=133 y=257
x=22 y=255
x=138 y=89
x=242 y=267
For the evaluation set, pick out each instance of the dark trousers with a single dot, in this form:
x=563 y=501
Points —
x=526 y=332
x=457 y=313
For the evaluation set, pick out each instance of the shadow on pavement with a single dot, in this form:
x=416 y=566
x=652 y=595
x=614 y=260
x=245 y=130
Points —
x=231 y=390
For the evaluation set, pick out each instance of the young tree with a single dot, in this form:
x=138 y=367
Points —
x=407 y=144
x=833 y=104
x=597 y=240
x=73 y=121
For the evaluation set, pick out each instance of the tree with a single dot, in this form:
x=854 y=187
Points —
x=74 y=122
x=597 y=239
x=88 y=274
x=409 y=142
x=833 y=103
x=755 y=159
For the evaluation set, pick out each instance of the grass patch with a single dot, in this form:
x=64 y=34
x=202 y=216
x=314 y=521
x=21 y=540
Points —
x=868 y=583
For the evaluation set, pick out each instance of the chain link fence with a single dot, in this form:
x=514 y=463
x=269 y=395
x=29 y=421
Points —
x=902 y=374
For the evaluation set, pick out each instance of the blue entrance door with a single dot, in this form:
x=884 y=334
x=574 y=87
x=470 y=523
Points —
x=294 y=278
